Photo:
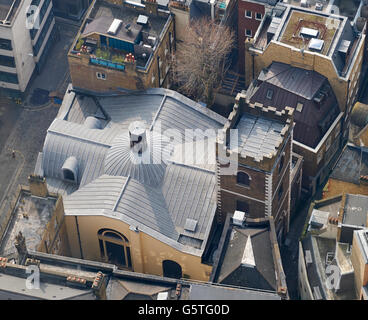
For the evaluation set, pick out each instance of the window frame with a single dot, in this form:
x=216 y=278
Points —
x=243 y=173
x=248 y=35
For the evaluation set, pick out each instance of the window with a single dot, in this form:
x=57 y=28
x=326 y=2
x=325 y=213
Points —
x=171 y=269
x=258 y=16
x=269 y=94
x=153 y=79
x=319 y=156
x=282 y=160
x=243 y=179
x=337 y=130
x=7 y=61
x=101 y=76
x=5 y=44
x=248 y=33
x=8 y=77
x=328 y=143
x=280 y=192
x=299 y=107
x=68 y=175
x=248 y=14
x=242 y=206
x=115 y=248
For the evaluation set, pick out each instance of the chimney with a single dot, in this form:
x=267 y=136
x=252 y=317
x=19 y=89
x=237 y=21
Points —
x=99 y=286
x=137 y=135
x=20 y=245
x=38 y=186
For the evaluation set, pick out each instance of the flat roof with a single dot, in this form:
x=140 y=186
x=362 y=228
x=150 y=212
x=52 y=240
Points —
x=8 y=8
x=324 y=28
x=257 y=136
x=356 y=213
x=30 y=217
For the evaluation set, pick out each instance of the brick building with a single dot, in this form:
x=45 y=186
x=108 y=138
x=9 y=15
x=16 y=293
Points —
x=263 y=156
x=317 y=116
x=311 y=40
x=250 y=15
x=123 y=46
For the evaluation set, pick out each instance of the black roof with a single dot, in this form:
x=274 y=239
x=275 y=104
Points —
x=291 y=86
x=233 y=272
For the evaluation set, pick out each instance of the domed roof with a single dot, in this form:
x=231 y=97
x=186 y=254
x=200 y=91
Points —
x=148 y=165
x=359 y=115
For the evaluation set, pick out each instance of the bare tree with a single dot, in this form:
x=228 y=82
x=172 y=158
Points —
x=203 y=59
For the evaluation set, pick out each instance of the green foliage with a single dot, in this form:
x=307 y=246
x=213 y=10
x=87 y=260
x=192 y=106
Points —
x=118 y=59
x=102 y=54
x=79 y=44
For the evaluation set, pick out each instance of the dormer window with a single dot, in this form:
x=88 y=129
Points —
x=299 y=107
x=269 y=94
x=70 y=170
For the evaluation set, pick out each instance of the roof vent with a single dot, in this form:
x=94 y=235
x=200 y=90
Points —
x=190 y=225
x=308 y=32
x=93 y=123
x=163 y=296
x=238 y=218
x=137 y=134
x=316 y=44
x=142 y=20
x=114 y=26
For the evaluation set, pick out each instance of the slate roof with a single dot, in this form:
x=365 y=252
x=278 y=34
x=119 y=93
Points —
x=290 y=86
x=352 y=163
x=233 y=271
x=257 y=136
x=158 y=199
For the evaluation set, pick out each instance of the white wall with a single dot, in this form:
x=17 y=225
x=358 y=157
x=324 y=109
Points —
x=22 y=46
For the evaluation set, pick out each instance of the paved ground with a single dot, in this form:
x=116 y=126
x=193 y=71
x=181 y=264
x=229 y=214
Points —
x=23 y=128
x=55 y=74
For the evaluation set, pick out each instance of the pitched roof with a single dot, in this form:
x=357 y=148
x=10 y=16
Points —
x=248 y=260
x=290 y=87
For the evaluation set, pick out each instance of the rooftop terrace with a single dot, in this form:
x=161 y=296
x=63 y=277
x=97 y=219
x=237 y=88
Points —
x=293 y=35
x=138 y=34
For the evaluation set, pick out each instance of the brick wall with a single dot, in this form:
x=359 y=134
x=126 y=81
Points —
x=247 y=23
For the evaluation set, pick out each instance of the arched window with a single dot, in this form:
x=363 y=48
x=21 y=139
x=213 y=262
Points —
x=115 y=248
x=243 y=178
x=171 y=269
x=70 y=169
x=68 y=175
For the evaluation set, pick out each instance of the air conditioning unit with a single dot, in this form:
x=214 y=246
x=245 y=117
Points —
x=238 y=218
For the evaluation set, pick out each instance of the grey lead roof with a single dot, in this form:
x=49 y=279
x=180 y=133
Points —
x=304 y=83
x=257 y=136
x=158 y=199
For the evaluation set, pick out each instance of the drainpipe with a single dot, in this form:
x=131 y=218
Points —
x=79 y=239
x=212 y=2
